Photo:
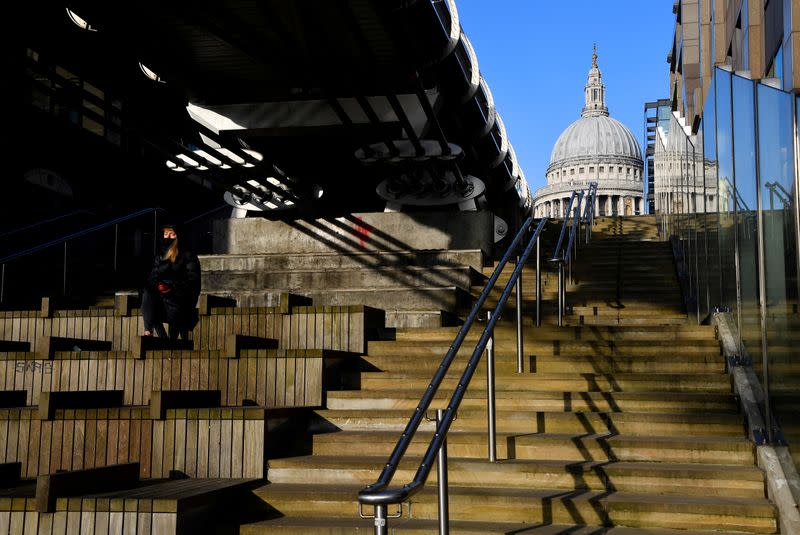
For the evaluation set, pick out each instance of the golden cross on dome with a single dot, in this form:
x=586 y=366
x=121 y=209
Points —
x=594 y=55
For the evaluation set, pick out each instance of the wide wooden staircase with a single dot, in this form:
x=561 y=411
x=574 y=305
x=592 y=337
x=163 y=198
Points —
x=274 y=415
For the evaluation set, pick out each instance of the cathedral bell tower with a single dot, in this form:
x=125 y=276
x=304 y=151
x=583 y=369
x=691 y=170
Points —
x=595 y=105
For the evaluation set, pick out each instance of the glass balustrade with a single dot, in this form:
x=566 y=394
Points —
x=726 y=196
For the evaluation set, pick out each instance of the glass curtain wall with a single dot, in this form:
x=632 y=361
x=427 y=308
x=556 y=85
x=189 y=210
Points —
x=777 y=189
x=745 y=187
x=727 y=196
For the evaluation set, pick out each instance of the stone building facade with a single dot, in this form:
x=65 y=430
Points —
x=595 y=148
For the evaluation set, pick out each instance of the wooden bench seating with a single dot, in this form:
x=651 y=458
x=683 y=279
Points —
x=113 y=499
x=199 y=442
x=269 y=378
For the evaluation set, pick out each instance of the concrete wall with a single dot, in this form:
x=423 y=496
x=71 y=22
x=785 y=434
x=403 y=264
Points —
x=392 y=231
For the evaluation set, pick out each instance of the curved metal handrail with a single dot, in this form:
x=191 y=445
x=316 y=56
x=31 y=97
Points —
x=79 y=234
x=576 y=220
x=563 y=257
x=378 y=494
x=564 y=226
x=588 y=210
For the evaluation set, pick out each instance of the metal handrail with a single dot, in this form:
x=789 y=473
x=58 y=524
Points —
x=576 y=220
x=378 y=494
x=588 y=213
x=564 y=226
x=405 y=439
x=79 y=234
x=563 y=257
x=32 y=226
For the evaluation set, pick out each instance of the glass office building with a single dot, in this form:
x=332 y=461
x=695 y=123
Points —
x=728 y=191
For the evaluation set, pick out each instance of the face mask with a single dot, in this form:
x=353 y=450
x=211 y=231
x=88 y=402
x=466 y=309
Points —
x=166 y=243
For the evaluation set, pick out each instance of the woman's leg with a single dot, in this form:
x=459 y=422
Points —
x=181 y=316
x=153 y=312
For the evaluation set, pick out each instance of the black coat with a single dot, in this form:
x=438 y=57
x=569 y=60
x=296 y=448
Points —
x=183 y=276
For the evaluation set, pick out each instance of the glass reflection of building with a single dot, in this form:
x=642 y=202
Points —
x=726 y=183
x=678 y=171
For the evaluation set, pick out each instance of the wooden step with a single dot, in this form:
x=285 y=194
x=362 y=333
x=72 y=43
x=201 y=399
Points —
x=558 y=382
x=518 y=422
x=691 y=479
x=533 y=505
x=675 y=402
x=507 y=331
x=565 y=446
x=506 y=363
x=348 y=526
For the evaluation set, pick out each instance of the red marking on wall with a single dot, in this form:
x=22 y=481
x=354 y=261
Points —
x=363 y=233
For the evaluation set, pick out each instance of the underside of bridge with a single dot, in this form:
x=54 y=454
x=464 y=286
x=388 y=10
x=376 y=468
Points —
x=307 y=108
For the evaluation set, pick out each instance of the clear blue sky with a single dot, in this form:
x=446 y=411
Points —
x=535 y=55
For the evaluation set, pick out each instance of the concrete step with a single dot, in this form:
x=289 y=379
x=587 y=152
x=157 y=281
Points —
x=561 y=382
x=400 y=526
x=635 y=477
x=529 y=421
x=507 y=331
x=609 y=320
x=564 y=446
x=675 y=402
x=372 y=259
x=350 y=278
x=438 y=298
x=506 y=363
x=629 y=348
x=541 y=506
x=624 y=307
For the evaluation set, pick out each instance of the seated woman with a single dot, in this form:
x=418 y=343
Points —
x=170 y=295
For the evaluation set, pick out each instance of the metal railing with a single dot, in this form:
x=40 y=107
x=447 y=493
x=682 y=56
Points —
x=379 y=494
x=39 y=224
x=115 y=224
x=65 y=240
x=563 y=256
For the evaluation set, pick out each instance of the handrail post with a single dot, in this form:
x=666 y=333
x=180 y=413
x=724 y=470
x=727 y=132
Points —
x=538 y=281
x=490 y=396
x=380 y=520
x=441 y=473
x=155 y=232
x=518 y=290
x=64 y=280
x=116 y=241
x=569 y=268
x=579 y=229
x=561 y=294
x=589 y=210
